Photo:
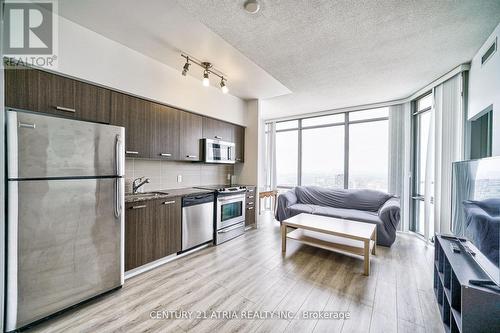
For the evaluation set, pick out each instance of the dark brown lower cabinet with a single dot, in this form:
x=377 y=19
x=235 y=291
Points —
x=152 y=231
x=138 y=233
x=168 y=238
x=250 y=207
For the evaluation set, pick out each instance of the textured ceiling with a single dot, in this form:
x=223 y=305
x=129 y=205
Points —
x=334 y=54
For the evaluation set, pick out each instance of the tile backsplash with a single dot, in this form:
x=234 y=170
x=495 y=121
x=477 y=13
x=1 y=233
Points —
x=163 y=174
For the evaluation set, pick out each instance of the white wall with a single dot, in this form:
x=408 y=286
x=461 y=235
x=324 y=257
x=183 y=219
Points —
x=484 y=86
x=248 y=172
x=87 y=55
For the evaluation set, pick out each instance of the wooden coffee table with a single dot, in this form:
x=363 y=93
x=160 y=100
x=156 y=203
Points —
x=332 y=234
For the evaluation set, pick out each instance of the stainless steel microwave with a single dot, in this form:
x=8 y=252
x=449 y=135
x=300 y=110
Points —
x=216 y=151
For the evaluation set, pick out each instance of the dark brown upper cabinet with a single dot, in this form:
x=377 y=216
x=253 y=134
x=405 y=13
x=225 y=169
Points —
x=137 y=116
x=166 y=132
x=239 y=142
x=40 y=91
x=22 y=88
x=216 y=129
x=92 y=103
x=190 y=134
x=58 y=95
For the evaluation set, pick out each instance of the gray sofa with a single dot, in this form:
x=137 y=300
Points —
x=354 y=204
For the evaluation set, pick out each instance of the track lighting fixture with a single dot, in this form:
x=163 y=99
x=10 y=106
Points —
x=185 y=69
x=207 y=70
x=223 y=86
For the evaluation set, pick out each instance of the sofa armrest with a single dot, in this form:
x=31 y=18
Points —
x=285 y=200
x=390 y=213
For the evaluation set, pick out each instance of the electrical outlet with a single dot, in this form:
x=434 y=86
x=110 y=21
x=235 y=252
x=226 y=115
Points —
x=179 y=178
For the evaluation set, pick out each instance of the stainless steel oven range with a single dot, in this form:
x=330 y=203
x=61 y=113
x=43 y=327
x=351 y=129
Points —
x=229 y=212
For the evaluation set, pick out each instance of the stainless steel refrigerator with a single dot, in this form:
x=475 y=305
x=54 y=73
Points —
x=65 y=219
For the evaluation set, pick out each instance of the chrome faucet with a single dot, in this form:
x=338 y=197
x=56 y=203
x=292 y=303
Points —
x=137 y=183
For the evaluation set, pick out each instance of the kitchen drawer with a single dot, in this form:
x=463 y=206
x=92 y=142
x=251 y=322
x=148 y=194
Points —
x=250 y=216
x=230 y=232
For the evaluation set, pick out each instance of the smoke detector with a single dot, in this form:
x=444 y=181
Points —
x=251 y=6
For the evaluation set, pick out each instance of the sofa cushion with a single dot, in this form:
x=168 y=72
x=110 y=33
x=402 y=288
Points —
x=348 y=214
x=360 y=199
x=301 y=208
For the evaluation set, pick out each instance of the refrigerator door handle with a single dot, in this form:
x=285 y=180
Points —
x=118 y=158
x=118 y=196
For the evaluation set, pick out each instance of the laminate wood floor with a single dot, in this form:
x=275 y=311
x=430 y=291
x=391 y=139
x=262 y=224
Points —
x=250 y=274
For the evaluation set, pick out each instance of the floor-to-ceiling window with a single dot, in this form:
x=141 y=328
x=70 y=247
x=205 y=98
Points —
x=369 y=149
x=323 y=151
x=287 y=153
x=422 y=182
x=343 y=150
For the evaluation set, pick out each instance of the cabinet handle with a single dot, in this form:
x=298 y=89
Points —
x=250 y=203
x=168 y=202
x=131 y=152
x=26 y=125
x=191 y=156
x=250 y=197
x=165 y=154
x=250 y=208
x=62 y=108
x=218 y=137
x=238 y=159
x=139 y=207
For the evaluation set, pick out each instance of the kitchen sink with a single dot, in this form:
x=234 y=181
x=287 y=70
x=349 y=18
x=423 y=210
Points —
x=145 y=194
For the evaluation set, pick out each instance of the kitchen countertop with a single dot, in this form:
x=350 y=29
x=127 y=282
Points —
x=164 y=194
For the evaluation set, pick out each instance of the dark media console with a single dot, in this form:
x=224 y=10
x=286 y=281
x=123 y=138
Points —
x=464 y=306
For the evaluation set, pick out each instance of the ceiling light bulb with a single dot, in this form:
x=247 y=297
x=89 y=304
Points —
x=206 y=80
x=223 y=86
x=185 y=69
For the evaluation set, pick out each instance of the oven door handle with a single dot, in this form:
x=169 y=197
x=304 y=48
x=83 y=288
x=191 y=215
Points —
x=232 y=198
x=224 y=200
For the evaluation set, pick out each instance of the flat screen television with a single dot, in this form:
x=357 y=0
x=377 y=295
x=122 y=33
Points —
x=476 y=210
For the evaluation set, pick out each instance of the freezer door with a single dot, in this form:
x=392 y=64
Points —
x=41 y=146
x=65 y=245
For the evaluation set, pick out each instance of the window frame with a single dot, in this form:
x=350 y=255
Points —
x=416 y=197
x=346 y=123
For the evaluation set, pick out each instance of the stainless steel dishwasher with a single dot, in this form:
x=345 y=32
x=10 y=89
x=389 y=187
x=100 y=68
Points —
x=197 y=220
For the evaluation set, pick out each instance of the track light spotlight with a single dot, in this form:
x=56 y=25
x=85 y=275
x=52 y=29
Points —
x=185 y=69
x=223 y=86
x=206 y=80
